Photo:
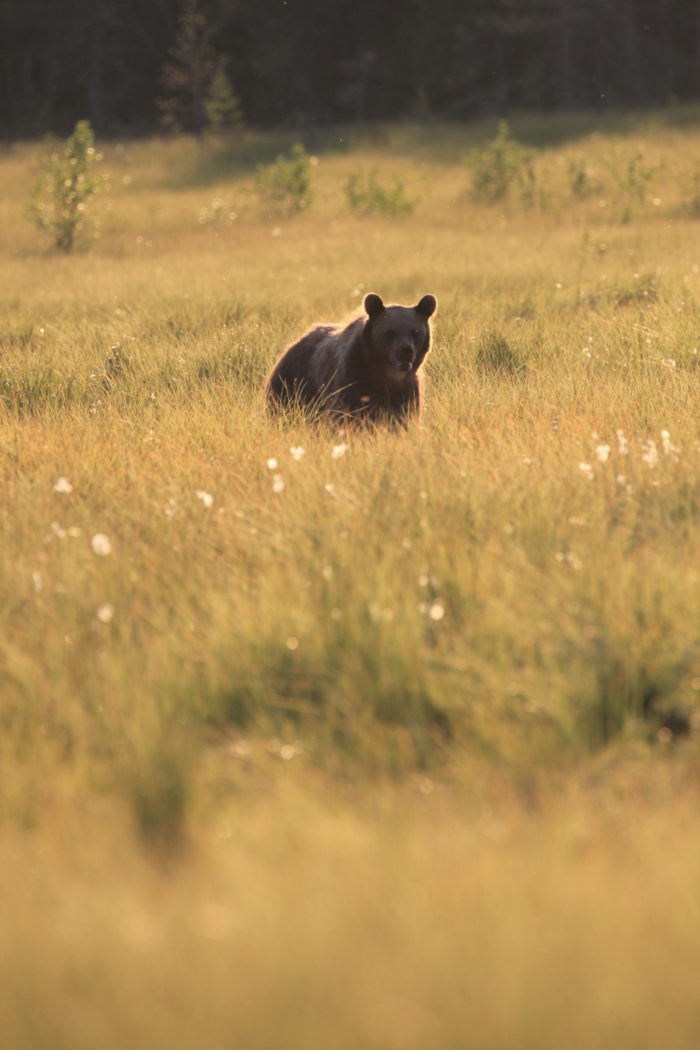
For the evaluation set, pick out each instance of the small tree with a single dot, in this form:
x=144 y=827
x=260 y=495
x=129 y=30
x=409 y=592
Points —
x=284 y=187
x=222 y=108
x=59 y=198
x=500 y=165
x=197 y=93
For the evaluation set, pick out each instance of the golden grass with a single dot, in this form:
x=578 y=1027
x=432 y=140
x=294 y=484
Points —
x=389 y=748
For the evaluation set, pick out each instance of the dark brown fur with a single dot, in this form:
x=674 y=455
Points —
x=366 y=371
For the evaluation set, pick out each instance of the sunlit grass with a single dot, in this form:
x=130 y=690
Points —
x=354 y=739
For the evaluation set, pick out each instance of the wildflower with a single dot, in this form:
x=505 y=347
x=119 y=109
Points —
x=63 y=485
x=667 y=445
x=105 y=613
x=623 y=445
x=602 y=452
x=339 y=450
x=292 y=643
x=436 y=610
x=650 y=455
x=297 y=452
x=101 y=544
x=569 y=558
x=587 y=470
x=277 y=483
x=272 y=463
x=37 y=582
x=205 y=497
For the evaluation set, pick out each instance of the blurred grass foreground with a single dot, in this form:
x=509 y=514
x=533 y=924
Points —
x=363 y=739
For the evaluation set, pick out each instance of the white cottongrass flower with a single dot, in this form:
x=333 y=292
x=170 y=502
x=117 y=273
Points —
x=650 y=455
x=569 y=558
x=587 y=470
x=623 y=445
x=602 y=452
x=272 y=463
x=105 y=613
x=297 y=452
x=339 y=450
x=667 y=445
x=436 y=610
x=101 y=544
x=205 y=497
x=277 y=483
x=63 y=485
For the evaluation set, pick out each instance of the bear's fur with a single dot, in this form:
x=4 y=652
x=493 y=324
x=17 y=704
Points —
x=367 y=370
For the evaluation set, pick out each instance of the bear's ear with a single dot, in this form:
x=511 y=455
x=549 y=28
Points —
x=427 y=306
x=373 y=304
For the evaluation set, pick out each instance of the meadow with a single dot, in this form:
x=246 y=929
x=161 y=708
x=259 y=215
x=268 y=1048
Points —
x=334 y=739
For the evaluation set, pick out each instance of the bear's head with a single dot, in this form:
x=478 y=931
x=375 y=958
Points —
x=398 y=337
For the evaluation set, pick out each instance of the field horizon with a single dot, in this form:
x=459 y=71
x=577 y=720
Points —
x=345 y=738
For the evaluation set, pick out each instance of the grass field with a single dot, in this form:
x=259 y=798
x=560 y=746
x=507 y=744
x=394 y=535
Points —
x=313 y=739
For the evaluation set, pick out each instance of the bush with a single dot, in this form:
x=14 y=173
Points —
x=60 y=196
x=285 y=185
x=634 y=184
x=365 y=195
x=500 y=166
x=494 y=353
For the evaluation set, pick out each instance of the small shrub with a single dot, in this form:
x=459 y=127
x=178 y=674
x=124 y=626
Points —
x=633 y=184
x=494 y=353
x=365 y=195
x=59 y=199
x=285 y=185
x=218 y=214
x=581 y=184
x=502 y=165
x=691 y=193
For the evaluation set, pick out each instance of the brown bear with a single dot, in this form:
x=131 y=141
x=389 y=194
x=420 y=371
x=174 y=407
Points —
x=366 y=371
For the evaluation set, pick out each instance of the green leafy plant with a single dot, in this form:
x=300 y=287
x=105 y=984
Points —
x=60 y=197
x=691 y=193
x=285 y=185
x=634 y=184
x=581 y=182
x=365 y=195
x=501 y=166
x=494 y=353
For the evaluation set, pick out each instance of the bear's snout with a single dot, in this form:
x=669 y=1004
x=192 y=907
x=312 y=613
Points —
x=405 y=356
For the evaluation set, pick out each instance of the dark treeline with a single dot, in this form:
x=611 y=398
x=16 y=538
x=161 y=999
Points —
x=127 y=64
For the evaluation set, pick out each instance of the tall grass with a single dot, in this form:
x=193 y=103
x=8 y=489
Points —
x=365 y=738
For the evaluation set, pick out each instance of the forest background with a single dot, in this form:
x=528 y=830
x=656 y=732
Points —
x=122 y=63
